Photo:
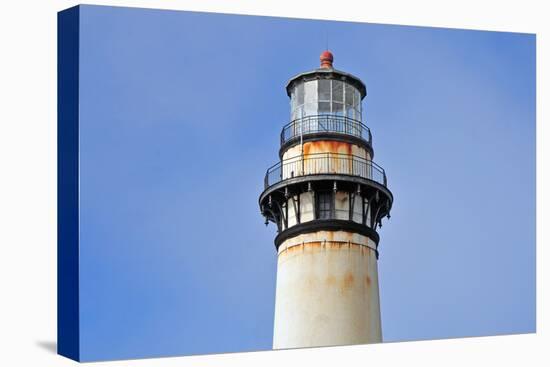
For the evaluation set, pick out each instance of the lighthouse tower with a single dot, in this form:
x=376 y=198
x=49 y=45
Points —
x=327 y=197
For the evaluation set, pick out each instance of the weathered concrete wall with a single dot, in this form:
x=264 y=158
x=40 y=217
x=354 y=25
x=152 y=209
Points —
x=327 y=291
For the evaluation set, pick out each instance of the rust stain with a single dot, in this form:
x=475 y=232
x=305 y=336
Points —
x=347 y=283
x=367 y=281
x=327 y=146
x=300 y=247
x=307 y=148
x=349 y=236
x=331 y=280
x=292 y=249
x=334 y=245
x=326 y=244
x=313 y=245
x=337 y=245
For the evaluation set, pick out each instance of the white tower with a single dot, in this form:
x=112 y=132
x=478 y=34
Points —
x=327 y=197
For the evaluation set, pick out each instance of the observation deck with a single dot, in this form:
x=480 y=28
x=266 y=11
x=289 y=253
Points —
x=325 y=127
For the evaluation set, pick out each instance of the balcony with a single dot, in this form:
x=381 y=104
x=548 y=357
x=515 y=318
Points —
x=325 y=163
x=320 y=124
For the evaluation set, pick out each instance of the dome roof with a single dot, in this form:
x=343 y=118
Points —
x=326 y=59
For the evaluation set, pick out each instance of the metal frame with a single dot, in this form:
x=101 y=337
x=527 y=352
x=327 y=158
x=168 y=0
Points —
x=376 y=203
x=334 y=124
x=345 y=182
x=324 y=163
x=327 y=74
x=356 y=106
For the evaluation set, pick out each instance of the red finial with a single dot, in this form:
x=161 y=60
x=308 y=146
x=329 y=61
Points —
x=326 y=59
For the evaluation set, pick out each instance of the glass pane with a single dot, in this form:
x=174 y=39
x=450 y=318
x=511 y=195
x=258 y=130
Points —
x=310 y=109
x=300 y=112
x=324 y=90
x=337 y=108
x=293 y=100
x=357 y=115
x=349 y=95
x=337 y=91
x=350 y=112
x=357 y=98
x=324 y=205
x=311 y=91
x=300 y=94
x=324 y=108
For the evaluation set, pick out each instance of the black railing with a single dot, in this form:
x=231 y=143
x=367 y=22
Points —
x=325 y=163
x=325 y=123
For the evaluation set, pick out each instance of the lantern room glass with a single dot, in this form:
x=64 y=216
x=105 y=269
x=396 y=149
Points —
x=325 y=97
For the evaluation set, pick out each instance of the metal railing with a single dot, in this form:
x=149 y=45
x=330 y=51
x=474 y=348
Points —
x=325 y=123
x=324 y=163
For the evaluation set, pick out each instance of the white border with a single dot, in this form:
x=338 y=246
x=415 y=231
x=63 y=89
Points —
x=28 y=182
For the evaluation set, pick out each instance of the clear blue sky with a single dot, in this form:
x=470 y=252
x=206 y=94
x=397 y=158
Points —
x=180 y=117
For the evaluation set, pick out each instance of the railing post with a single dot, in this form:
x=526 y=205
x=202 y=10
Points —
x=326 y=123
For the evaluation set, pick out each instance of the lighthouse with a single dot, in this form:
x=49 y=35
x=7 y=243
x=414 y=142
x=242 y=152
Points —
x=327 y=198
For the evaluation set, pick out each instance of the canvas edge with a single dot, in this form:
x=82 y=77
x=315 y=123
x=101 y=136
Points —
x=68 y=315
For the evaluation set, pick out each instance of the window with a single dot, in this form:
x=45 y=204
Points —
x=310 y=109
x=337 y=91
x=325 y=97
x=310 y=91
x=337 y=109
x=350 y=112
x=324 y=205
x=324 y=108
x=349 y=95
x=298 y=112
x=300 y=94
x=324 y=90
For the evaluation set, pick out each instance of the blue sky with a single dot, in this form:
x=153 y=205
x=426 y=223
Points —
x=180 y=117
